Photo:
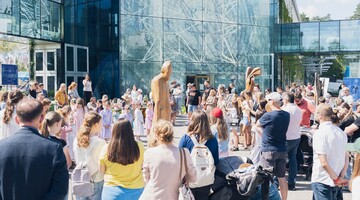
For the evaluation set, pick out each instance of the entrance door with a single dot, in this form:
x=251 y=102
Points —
x=76 y=64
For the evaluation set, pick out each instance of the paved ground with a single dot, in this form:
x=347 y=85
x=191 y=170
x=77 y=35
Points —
x=303 y=191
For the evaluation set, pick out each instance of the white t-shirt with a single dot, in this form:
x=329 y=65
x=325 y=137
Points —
x=331 y=141
x=295 y=112
x=87 y=86
x=134 y=95
x=348 y=99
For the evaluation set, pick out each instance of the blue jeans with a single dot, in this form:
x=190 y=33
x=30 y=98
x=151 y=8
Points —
x=120 y=193
x=292 y=147
x=97 y=194
x=273 y=193
x=324 y=192
x=192 y=108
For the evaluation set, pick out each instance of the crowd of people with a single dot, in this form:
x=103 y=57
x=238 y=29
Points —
x=40 y=142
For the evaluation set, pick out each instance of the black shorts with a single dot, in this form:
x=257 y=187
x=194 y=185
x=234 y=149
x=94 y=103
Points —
x=274 y=159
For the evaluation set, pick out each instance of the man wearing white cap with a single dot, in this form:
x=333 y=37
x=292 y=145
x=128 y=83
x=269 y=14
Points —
x=273 y=147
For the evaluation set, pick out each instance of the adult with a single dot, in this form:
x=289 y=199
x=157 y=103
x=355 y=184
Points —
x=87 y=89
x=42 y=90
x=211 y=102
x=292 y=136
x=87 y=147
x=3 y=99
x=330 y=157
x=208 y=87
x=121 y=161
x=178 y=95
x=72 y=91
x=193 y=100
x=273 y=146
x=347 y=117
x=160 y=93
x=199 y=128
x=37 y=170
x=162 y=162
x=232 y=89
x=347 y=97
x=61 y=97
x=353 y=130
x=306 y=107
x=8 y=125
x=33 y=89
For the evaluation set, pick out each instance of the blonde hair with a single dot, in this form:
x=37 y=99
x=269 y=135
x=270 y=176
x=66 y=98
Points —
x=50 y=119
x=221 y=127
x=83 y=136
x=72 y=86
x=164 y=131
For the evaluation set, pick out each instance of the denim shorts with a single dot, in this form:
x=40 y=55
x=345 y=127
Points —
x=120 y=193
x=192 y=108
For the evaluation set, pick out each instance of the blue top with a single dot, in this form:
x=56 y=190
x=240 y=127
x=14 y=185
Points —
x=224 y=144
x=275 y=124
x=212 y=145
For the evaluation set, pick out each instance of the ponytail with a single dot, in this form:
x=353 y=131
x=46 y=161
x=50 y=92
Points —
x=83 y=136
x=51 y=118
x=13 y=98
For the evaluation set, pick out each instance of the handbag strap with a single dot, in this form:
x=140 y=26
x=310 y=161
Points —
x=183 y=151
x=181 y=164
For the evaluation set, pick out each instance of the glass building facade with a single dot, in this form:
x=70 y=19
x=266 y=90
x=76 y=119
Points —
x=39 y=19
x=129 y=40
x=318 y=37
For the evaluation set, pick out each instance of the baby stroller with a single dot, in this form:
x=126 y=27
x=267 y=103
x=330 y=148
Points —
x=305 y=153
x=252 y=183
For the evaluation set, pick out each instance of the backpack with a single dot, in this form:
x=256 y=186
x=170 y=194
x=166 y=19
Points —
x=204 y=164
x=82 y=183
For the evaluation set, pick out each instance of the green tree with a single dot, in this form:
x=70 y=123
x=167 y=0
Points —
x=356 y=14
x=304 y=17
x=337 y=68
x=318 y=18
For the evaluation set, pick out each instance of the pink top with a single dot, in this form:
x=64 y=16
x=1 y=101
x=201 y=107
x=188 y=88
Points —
x=307 y=109
x=149 y=117
x=79 y=115
x=161 y=170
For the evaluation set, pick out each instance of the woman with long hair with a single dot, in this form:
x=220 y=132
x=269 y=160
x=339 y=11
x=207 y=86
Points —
x=8 y=126
x=347 y=117
x=220 y=130
x=72 y=91
x=50 y=128
x=162 y=162
x=87 y=147
x=121 y=163
x=87 y=90
x=199 y=128
x=211 y=101
x=246 y=107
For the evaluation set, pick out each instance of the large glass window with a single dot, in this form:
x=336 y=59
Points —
x=82 y=60
x=69 y=58
x=50 y=61
x=349 y=35
x=309 y=36
x=39 y=61
x=290 y=34
x=51 y=83
x=329 y=36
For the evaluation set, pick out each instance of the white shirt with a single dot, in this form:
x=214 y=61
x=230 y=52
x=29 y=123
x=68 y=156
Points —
x=295 y=112
x=355 y=191
x=90 y=154
x=134 y=95
x=87 y=86
x=349 y=99
x=329 y=140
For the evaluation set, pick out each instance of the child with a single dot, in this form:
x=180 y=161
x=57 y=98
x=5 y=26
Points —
x=106 y=116
x=51 y=128
x=126 y=114
x=79 y=111
x=219 y=129
x=99 y=106
x=149 y=117
x=139 y=120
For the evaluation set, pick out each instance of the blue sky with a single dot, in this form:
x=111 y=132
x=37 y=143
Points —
x=338 y=9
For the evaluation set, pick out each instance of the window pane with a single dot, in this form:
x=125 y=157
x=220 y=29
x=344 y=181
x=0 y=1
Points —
x=50 y=61
x=82 y=60
x=80 y=85
x=329 y=36
x=51 y=83
x=39 y=61
x=309 y=36
x=70 y=58
x=69 y=80
x=39 y=79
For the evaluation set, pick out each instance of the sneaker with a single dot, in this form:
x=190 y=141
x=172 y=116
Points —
x=291 y=187
x=234 y=149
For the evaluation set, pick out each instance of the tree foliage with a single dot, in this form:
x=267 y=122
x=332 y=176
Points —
x=356 y=14
x=337 y=68
x=305 y=18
